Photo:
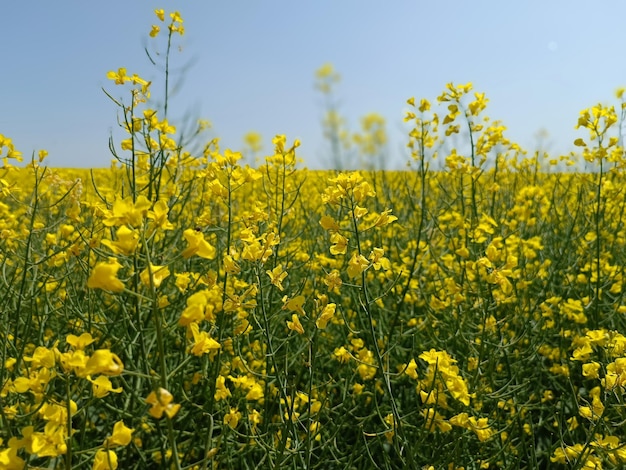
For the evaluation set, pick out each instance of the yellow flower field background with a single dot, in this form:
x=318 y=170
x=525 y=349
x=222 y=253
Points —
x=185 y=310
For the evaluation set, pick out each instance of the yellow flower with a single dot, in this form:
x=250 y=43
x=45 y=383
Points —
x=73 y=360
x=435 y=419
x=253 y=251
x=461 y=420
x=254 y=418
x=42 y=357
x=384 y=218
x=156 y=274
x=481 y=428
x=295 y=324
x=294 y=304
x=126 y=243
x=197 y=245
x=79 y=342
x=160 y=13
x=356 y=265
x=333 y=280
x=255 y=393
x=9 y=458
x=125 y=211
x=327 y=314
x=203 y=343
x=154 y=31
x=119 y=77
x=457 y=388
x=161 y=402
x=328 y=223
x=590 y=370
x=232 y=418
x=176 y=18
x=362 y=191
x=378 y=260
x=339 y=244
x=195 y=309
x=102 y=386
x=104 y=276
x=182 y=281
x=121 y=435
x=342 y=354
x=277 y=276
x=359 y=212
x=566 y=454
x=105 y=460
x=411 y=369
x=159 y=215
x=221 y=390
x=104 y=362
x=231 y=266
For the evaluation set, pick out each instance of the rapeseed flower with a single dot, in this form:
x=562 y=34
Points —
x=161 y=402
x=327 y=314
x=197 y=245
x=339 y=244
x=105 y=460
x=153 y=276
x=277 y=276
x=102 y=361
x=79 y=342
x=126 y=241
x=102 y=386
x=121 y=435
x=203 y=342
x=294 y=304
x=231 y=419
x=104 y=276
x=295 y=325
x=356 y=265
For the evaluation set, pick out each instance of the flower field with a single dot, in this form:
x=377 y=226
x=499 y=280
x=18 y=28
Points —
x=184 y=310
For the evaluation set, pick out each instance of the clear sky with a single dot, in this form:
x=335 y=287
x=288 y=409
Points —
x=249 y=65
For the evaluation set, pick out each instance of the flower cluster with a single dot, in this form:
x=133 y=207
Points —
x=182 y=309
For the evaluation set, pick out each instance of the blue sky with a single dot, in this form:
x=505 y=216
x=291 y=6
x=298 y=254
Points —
x=249 y=65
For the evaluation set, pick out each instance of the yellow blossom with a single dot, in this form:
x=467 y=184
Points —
x=203 y=342
x=104 y=276
x=126 y=241
x=384 y=218
x=104 y=362
x=356 y=265
x=333 y=280
x=295 y=324
x=105 y=460
x=159 y=214
x=339 y=244
x=327 y=314
x=154 y=276
x=161 y=401
x=294 y=304
x=197 y=245
x=277 y=276
x=221 y=391
x=328 y=223
x=232 y=418
x=121 y=435
x=102 y=386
